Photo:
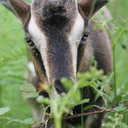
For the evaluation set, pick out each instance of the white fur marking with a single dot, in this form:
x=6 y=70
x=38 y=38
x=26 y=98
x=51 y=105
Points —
x=32 y=69
x=75 y=37
x=40 y=41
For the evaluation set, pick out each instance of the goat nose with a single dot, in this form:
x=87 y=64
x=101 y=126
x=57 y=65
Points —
x=59 y=87
x=53 y=1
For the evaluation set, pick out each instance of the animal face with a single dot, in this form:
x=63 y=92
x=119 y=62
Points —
x=56 y=33
x=55 y=30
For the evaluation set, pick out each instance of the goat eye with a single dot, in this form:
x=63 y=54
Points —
x=85 y=36
x=29 y=42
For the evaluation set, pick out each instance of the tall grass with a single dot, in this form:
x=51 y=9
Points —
x=121 y=54
x=12 y=68
x=118 y=10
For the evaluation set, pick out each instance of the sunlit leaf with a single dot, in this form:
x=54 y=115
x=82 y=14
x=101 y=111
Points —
x=29 y=122
x=117 y=98
x=90 y=106
x=28 y=88
x=43 y=100
x=31 y=95
x=15 y=121
x=81 y=102
x=120 y=109
x=4 y=110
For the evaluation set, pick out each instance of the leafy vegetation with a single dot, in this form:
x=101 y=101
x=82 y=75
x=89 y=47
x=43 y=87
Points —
x=13 y=52
x=68 y=101
x=12 y=69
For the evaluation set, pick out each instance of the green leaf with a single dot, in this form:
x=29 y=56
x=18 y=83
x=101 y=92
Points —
x=97 y=96
x=126 y=111
x=88 y=107
x=43 y=100
x=15 y=121
x=76 y=96
x=110 y=20
x=101 y=12
x=29 y=122
x=82 y=85
x=28 y=88
x=8 y=118
x=91 y=61
x=81 y=102
x=96 y=27
x=32 y=95
x=117 y=98
x=4 y=110
x=120 y=109
x=67 y=83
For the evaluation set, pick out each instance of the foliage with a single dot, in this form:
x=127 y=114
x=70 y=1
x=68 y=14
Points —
x=115 y=36
x=12 y=67
x=115 y=122
x=30 y=90
x=65 y=104
x=3 y=111
x=103 y=24
x=29 y=122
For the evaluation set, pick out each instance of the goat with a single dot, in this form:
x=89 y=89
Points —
x=61 y=38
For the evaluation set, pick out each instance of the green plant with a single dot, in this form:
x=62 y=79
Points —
x=3 y=111
x=29 y=122
x=115 y=121
x=64 y=105
x=114 y=39
x=12 y=67
x=115 y=35
x=61 y=107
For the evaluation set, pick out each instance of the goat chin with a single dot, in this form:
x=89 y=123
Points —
x=56 y=94
x=33 y=75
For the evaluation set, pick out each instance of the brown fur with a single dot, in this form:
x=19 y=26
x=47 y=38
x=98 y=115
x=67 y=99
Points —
x=54 y=21
x=86 y=6
x=21 y=9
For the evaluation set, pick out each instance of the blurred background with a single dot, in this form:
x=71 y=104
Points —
x=13 y=56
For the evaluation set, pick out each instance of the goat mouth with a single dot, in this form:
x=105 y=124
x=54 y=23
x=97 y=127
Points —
x=59 y=87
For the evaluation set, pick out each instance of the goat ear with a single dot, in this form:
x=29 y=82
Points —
x=90 y=7
x=18 y=7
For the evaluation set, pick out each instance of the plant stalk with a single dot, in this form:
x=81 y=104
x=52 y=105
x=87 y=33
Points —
x=58 y=121
x=56 y=111
x=114 y=68
x=114 y=59
x=82 y=108
x=1 y=101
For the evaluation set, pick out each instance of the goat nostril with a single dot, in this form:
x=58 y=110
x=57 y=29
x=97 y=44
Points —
x=59 y=87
